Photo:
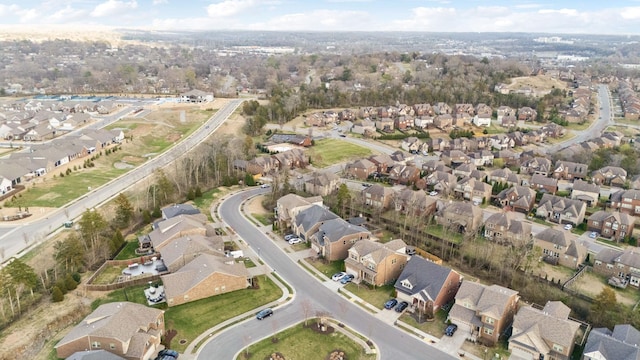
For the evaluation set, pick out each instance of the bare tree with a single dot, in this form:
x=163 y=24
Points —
x=307 y=307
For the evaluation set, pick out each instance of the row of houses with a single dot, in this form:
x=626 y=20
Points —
x=629 y=100
x=39 y=160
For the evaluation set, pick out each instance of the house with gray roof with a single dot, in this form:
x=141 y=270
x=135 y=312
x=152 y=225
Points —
x=472 y=189
x=610 y=175
x=427 y=286
x=414 y=202
x=377 y=196
x=584 y=191
x=288 y=207
x=360 y=169
x=484 y=311
x=334 y=237
x=129 y=330
x=536 y=165
x=543 y=334
x=94 y=355
x=560 y=248
x=611 y=224
x=620 y=344
x=518 y=198
x=561 y=210
x=307 y=221
x=504 y=176
x=442 y=182
x=626 y=201
x=623 y=264
x=175 y=227
x=462 y=217
x=205 y=276
x=180 y=251
x=174 y=210
x=376 y=263
x=322 y=183
x=504 y=228
x=544 y=184
x=568 y=170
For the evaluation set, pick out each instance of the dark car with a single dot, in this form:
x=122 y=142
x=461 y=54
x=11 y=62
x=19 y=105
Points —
x=403 y=305
x=346 y=279
x=390 y=304
x=451 y=329
x=167 y=354
x=264 y=313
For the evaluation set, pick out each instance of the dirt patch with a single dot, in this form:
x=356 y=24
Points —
x=592 y=284
x=540 y=83
x=254 y=206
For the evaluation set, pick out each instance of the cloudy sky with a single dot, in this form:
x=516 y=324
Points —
x=559 y=16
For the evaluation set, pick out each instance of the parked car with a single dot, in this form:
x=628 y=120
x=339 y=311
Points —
x=403 y=305
x=338 y=276
x=264 y=313
x=346 y=279
x=289 y=236
x=264 y=186
x=593 y=235
x=568 y=227
x=295 y=240
x=168 y=353
x=451 y=329
x=410 y=251
x=433 y=193
x=390 y=304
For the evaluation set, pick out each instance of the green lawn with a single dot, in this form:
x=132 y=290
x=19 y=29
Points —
x=374 y=296
x=133 y=294
x=327 y=268
x=109 y=275
x=438 y=231
x=435 y=327
x=264 y=219
x=331 y=151
x=129 y=251
x=204 y=202
x=299 y=342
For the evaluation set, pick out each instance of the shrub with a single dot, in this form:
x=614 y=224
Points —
x=69 y=283
x=198 y=192
x=76 y=276
x=68 y=171
x=56 y=294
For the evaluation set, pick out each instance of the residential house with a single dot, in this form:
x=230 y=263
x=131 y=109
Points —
x=517 y=198
x=553 y=130
x=619 y=344
x=205 y=276
x=414 y=202
x=383 y=163
x=404 y=174
x=378 y=196
x=5 y=185
x=411 y=144
x=526 y=113
x=403 y=122
x=544 y=184
x=443 y=122
x=587 y=192
x=427 y=286
x=482 y=120
x=442 y=182
x=623 y=264
x=485 y=310
x=508 y=157
x=561 y=210
x=505 y=111
x=129 y=330
x=322 y=183
x=441 y=108
x=295 y=139
x=537 y=165
x=568 y=170
x=504 y=176
x=180 y=251
x=364 y=126
x=434 y=165
x=423 y=121
x=423 y=110
x=462 y=217
x=360 y=169
x=385 y=124
x=504 y=228
x=307 y=221
x=174 y=210
x=548 y=333
x=464 y=170
x=196 y=96
x=610 y=175
x=290 y=159
x=167 y=230
x=334 y=238
x=375 y=263
x=290 y=205
x=560 y=248
x=626 y=201
x=454 y=158
x=612 y=225
x=474 y=190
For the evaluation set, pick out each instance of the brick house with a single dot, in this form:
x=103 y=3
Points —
x=626 y=201
x=560 y=248
x=129 y=330
x=536 y=165
x=554 y=331
x=360 y=169
x=307 y=221
x=504 y=176
x=604 y=344
x=474 y=190
x=610 y=175
x=518 y=198
x=584 y=191
x=623 y=264
x=504 y=228
x=404 y=174
x=322 y=183
x=205 y=276
x=568 y=170
x=561 y=210
x=334 y=238
x=375 y=263
x=613 y=225
x=544 y=184
x=427 y=286
x=461 y=217
x=383 y=163
x=288 y=207
x=485 y=311
x=378 y=196
x=442 y=182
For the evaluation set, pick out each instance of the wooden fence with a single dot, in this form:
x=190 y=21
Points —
x=138 y=280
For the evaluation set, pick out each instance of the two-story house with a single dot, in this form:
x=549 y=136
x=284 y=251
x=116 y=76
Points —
x=619 y=344
x=561 y=210
x=485 y=311
x=474 y=190
x=610 y=175
x=322 y=183
x=517 y=198
x=626 y=201
x=587 y=192
x=414 y=202
x=544 y=184
x=442 y=182
x=568 y=170
x=426 y=285
x=334 y=238
x=623 y=264
x=536 y=165
x=560 y=248
x=504 y=176
x=360 y=169
x=288 y=207
x=612 y=225
x=462 y=217
x=378 y=196
x=554 y=332
x=307 y=221
x=375 y=263
x=504 y=228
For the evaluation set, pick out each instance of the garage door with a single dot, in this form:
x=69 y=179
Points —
x=520 y=354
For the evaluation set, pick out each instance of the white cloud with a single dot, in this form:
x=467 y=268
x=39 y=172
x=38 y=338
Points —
x=158 y=2
x=229 y=8
x=528 y=6
x=631 y=13
x=571 y=12
x=318 y=20
x=113 y=7
x=68 y=14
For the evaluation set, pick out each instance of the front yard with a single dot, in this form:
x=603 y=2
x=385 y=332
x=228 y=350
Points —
x=325 y=267
x=374 y=296
x=434 y=327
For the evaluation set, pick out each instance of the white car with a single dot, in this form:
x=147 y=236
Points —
x=568 y=227
x=294 y=240
x=433 y=193
x=290 y=236
x=338 y=276
x=264 y=186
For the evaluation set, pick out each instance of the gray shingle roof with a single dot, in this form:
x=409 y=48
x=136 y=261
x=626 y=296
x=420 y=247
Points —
x=621 y=344
x=179 y=209
x=309 y=217
x=426 y=278
x=550 y=324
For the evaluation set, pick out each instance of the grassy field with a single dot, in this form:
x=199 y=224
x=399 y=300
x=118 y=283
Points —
x=438 y=231
x=328 y=269
x=299 y=342
x=331 y=151
x=374 y=296
x=129 y=251
x=109 y=275
x=264 y=219
x=194 y=318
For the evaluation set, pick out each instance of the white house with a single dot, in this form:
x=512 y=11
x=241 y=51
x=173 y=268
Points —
x=482 y=120
x=5 y=185
x=196 y=96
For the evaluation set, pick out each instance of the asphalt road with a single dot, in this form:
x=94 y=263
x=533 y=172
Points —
x=392 y=342
x=15 y=239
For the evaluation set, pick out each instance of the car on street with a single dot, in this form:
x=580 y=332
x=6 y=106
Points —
x=264 y=313
x=568 y=227
x=294 y=241
x=346 y=279
x=593 y=235
x=264 y=186
x=343 y=135
x=338 y=276
x=403 y=305
x=390 y=304
x=433 y=193
x=451 y=329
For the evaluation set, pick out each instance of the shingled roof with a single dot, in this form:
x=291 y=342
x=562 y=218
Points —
x=423 y=277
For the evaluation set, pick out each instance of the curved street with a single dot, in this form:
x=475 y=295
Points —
x=392 y=342
x=15 y=239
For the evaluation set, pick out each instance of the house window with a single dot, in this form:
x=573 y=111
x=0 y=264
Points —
x=609 y=266
x=112 y=346
x=393 y=261
x=598 y=262
x=558 y=348
x=354 y=257
x=488 y=331
x=489 y=320
x=95 y=345
x=223 y=288
x=595 y=223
